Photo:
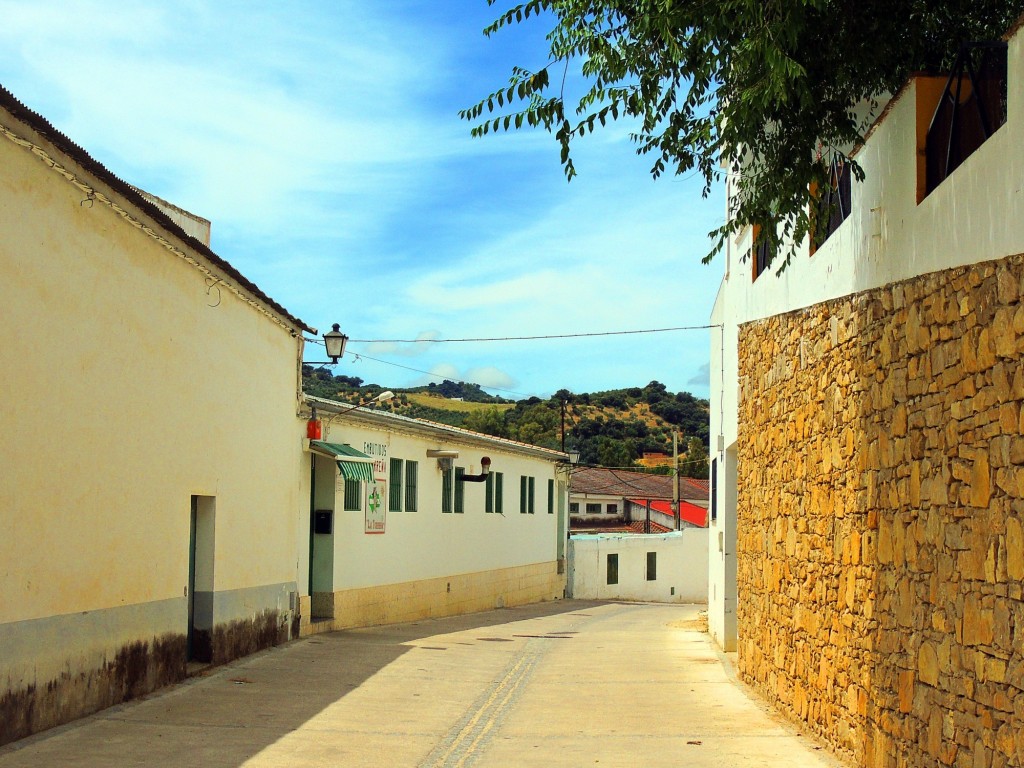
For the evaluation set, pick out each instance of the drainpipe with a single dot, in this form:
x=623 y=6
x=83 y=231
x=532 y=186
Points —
x=312 y=509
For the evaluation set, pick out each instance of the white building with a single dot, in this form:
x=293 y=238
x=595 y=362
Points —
x=150 y=477
x=430 y=535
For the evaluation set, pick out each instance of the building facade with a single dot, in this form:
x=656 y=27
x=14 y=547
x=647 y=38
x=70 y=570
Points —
x=151 y=478
x=866 y=551
x=429 y=533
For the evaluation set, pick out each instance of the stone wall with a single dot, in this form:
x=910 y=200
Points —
x=881 y=500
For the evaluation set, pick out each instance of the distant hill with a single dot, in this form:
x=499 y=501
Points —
x=613 y=428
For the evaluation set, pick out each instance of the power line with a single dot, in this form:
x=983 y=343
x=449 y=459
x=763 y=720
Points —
x=535 y=338
x=358 y=355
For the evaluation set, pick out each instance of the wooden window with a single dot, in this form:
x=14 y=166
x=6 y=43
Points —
x=460 y=491
x=395 y=486
x=446 y=490
x=551 y=497
x=613 y=569
x=652 y=566
x=353 y=495
x=412 y=470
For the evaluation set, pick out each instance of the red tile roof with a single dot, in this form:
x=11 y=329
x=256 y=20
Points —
x=701 y=483
x=637 y=526
x=691 y=513
x=627 y=484
x=615 y=526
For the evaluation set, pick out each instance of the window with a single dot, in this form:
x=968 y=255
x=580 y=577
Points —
x=446 y=490
x=460 y=491
x=972 y=107
x=526 y=495
x=574 y=507
x=353 y=495
x=492 y=496
x=395 y=486
x=551 y=497
x=399 y=491
x=834 y=205
x=411 y=477
x=612 y=509
x=714 y=490
x=613 y=569
x=593 y=509
x=763 y=252
x=499 y=505
x=652 y=566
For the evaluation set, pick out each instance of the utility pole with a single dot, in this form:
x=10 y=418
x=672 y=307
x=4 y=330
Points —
x=675 y=477
x=563 y=424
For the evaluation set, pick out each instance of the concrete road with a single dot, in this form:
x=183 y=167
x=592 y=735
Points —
x=569 y=683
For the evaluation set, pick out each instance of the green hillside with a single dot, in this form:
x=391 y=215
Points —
x=612 y=428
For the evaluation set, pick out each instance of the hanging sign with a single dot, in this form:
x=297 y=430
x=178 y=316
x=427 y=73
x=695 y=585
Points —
x=376 y=494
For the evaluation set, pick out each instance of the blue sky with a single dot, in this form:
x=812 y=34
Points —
x=322 y=140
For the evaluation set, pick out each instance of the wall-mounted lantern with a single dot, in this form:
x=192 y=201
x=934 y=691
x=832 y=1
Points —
x=335 y=342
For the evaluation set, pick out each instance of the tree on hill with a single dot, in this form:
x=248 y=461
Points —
x=769 y=87
x=461 y=390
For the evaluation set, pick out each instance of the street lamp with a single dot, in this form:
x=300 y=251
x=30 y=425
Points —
x=384 y=396
x=335 y=342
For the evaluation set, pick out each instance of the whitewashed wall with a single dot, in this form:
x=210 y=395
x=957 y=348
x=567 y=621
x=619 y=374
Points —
x=975 y=215
x=427 y=543
x=681 y=573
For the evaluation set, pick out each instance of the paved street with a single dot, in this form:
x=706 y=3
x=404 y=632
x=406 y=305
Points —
x=570 y=683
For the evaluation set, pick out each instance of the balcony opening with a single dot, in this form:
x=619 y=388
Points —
x=971 y=108
x=834 y=205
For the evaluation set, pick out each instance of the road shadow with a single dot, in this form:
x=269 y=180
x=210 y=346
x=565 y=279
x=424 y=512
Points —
x=229 y=714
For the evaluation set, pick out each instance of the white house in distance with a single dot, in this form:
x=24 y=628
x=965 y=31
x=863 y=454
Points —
x=602 y=498
x=867 y=539
x=150 y=479
x=406 y=524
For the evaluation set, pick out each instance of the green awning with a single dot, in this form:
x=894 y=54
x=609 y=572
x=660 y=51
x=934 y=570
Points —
x=353 y=471
x=353 y=464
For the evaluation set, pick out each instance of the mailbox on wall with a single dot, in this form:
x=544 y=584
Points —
x=323 y=521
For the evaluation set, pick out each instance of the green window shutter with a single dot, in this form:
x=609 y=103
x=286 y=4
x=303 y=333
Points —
x=460 y=491
x=551 y=497
x=353 y=495
x=613 y=569
x=530 y=505
x=446 y=491
x=411 y=478
x=499 y=478
x=489 y=493
x=522 y=494
x=395 y=486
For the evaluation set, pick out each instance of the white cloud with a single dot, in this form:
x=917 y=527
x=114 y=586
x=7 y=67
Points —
x=321 y=140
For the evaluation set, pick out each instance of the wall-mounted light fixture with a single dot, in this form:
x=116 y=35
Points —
x=445 y=457
x=485 y=469
x=335 y=342
x=383 y=397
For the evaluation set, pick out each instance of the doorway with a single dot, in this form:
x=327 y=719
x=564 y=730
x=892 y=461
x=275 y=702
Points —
x=199 y=634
